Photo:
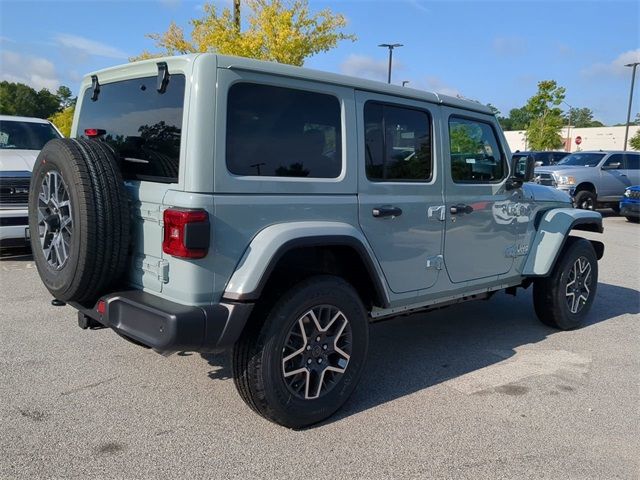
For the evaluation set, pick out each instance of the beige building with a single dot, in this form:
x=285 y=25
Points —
x=594 y=138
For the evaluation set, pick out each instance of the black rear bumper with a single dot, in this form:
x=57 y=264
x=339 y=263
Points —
x=166 y=326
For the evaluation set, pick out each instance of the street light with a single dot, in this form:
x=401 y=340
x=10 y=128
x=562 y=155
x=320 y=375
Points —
x=568 y=125
x=390 y=46
x=634 y=65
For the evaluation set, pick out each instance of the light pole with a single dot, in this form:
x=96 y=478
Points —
x=390 y=46
x=634 y=65
x=568 y=126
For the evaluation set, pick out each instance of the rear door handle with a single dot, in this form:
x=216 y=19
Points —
x=460 y=208
x=386 y=211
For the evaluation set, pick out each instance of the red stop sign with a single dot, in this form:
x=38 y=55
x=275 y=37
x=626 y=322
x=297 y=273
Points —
x=578 y=140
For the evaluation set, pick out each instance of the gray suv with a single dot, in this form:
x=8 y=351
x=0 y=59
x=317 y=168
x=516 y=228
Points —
x=211 y=203
x=593 y=178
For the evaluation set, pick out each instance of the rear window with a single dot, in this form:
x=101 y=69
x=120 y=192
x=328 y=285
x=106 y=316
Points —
x=19 y=135
x=142 y=125
x=283 y=132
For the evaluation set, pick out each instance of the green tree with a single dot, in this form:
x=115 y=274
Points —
x=65 y=97
x=285 y=32
x=543 y=130
x=581 y=117
x=63 y=120
x=518 y=119
x=634 y=142
x=21 y=99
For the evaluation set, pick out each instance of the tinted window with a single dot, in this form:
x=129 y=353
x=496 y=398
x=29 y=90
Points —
x=631 y=161
x=557 y=156
x=616 y=158
x=582 y=159
x=282 y=132
x=142 y=125
x=397 y=143
x=18 y=135
x=475 y=152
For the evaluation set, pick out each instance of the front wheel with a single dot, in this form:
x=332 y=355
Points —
x=563 y=299
x=585 y=200
x=301 y=364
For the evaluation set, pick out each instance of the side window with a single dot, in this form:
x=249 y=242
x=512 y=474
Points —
x=283 y=132
x=631 y=161
x=476 y=156
x=397 y=143
x=615 y=158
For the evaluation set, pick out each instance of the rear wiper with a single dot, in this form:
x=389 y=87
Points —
x=95 y=87
x=163 y=77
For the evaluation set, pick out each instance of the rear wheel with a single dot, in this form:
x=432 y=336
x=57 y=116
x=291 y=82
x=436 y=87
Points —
x=301 y=364
x=585 y=200
x=78 y=219
x=633 y=219
x=564 y=298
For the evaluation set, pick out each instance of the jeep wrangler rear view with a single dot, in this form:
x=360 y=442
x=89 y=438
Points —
x=209 y=202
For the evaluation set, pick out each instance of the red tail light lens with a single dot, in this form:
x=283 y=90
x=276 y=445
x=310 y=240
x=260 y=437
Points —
x=186 y=233
x=94 y=132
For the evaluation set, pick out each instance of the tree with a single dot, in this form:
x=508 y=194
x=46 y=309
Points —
x=518 y=119
x=277 y=31
x=634 y=142
x=65 y=97
x=63 y=120
x=543 y=130
x=21 y=99
x=581 y=117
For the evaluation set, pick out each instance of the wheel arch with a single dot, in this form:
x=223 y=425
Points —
x=297 y=250
x=552 y=234
x=588 y=186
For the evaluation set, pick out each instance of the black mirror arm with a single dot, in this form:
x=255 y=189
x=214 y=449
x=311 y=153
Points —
x=513 y=183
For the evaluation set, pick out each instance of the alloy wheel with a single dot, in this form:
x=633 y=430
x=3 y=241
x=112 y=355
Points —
x=316 y=352
x=578 y=285
x=55 y=223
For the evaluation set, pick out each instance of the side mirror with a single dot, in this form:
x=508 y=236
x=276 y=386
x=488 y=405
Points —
x=612 y=166
x=521 y=171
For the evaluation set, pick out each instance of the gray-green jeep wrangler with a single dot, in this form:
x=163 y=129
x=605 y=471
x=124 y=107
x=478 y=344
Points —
x=209 y=202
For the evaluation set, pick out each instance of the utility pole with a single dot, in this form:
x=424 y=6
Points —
x=634 y=65
x=236 y=15
x=390 y=46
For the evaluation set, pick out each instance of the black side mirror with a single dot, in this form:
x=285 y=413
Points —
x=521 y=171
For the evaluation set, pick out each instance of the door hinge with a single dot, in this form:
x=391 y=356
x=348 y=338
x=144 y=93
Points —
x=440 y=209
x=435 y=261
x=157 y=268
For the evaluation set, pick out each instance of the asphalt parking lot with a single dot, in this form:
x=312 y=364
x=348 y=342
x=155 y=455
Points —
x=480 y=390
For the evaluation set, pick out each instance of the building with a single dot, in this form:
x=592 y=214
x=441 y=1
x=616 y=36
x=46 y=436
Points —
x=593 y=138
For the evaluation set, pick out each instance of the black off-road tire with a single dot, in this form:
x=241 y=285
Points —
x=99 y=243
x=633 y=219
x=257 y=356
x=586 y=200
x=550 y=298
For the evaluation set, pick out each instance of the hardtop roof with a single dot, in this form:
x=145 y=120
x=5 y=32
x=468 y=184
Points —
x=274 y=68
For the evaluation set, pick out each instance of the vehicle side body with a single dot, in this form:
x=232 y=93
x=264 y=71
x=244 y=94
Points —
x=16 y=163
x=630 y=203
x=606 y=178
x=269 y=232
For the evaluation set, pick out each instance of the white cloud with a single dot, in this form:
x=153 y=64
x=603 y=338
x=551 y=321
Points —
x=436 y=84
x=89 y=47
x=509 y=46
x=363 y=66
x=36 y=72
x=615 y=67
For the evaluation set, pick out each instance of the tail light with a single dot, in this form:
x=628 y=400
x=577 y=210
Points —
x=186 y=233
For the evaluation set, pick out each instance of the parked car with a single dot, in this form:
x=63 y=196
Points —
x=209 y=202
x=543 y=158
x=21 y=139
x=630 y=204
x=594 y=179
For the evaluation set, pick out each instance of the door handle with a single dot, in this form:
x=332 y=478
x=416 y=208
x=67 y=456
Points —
x=460 y=208
x=386 y=211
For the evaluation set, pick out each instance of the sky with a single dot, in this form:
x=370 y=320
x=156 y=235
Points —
x=494 y=52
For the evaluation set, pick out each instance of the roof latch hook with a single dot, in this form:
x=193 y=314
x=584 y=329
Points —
x=95 y=87
x=163 y=77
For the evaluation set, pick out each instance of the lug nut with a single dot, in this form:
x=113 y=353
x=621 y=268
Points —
x=324 y=347
x=308 y=347
x=309 y=362
x=318 y=338
x=319 y=360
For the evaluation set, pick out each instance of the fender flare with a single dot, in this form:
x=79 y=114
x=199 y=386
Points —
x=270 y=244
x=552 y=232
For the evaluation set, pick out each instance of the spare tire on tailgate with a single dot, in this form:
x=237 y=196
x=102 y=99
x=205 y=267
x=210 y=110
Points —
x=78 y=219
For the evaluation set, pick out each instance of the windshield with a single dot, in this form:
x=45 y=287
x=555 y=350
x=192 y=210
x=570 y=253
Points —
x=18 y=135
x=582 y=159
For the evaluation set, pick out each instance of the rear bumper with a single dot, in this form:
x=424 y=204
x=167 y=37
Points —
x=169 y=327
